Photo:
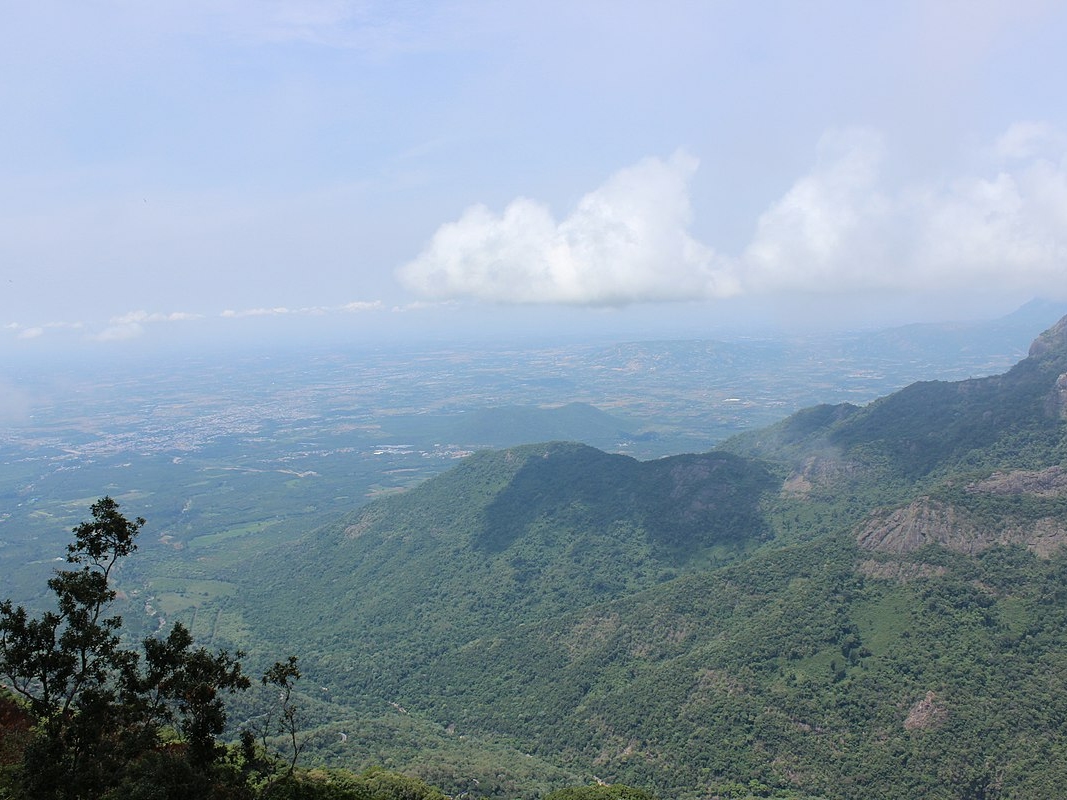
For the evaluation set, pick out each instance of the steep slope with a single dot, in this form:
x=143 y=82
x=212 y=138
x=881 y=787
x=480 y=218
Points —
x=1012 y=420
x=801 y=669
x=963 y=465
x=875 y=608
x=1014 y=417
x=505 y=539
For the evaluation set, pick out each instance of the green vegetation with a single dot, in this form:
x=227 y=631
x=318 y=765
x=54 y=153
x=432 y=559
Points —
x=100 y=709
x=858 y=602
x=710 y=625
x=600 y=792
x=85 y=717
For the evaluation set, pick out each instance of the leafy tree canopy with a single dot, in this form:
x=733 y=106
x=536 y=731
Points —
x=101 y=709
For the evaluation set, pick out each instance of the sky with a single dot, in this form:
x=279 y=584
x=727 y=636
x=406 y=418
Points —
x=184 y=169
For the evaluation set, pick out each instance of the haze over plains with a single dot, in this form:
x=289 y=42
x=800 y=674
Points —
x=175 y=170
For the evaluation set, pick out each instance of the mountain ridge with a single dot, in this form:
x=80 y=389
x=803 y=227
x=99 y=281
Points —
x=805 y=608
x=921 y=427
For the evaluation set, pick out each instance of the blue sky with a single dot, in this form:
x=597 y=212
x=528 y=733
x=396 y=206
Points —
x=174 y=167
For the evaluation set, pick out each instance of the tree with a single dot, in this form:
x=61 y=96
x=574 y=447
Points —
x=183 y=686
x=98 y=710
x=283 y=718
x=66 y=659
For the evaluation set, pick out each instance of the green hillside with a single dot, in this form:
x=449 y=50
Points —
x=1003 y=421
x=857 y=602
x=505 y=539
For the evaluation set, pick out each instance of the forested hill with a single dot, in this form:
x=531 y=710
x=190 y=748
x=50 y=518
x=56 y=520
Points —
x=1010 y=420
x=510 y=537
x=859 y=602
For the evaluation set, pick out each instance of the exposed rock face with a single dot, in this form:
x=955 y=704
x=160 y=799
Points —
x=1051 y=341
x=926 y=521
x=691 y=492
x=923 y=522
x=1056 y=403
x=1043 y=537
x=930 y=522
x=1051 y=482
x=818 y=472
x=1051 y=348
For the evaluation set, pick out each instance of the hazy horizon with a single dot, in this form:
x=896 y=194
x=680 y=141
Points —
x=182 y=173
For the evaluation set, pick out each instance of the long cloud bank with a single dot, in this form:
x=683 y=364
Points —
x=841 y=227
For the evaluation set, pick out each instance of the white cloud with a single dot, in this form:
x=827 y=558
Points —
x=841 y=228
x=315 y=311
x=626 y=242
x=361 y=305
x=144 y=316
x=229 y=313
x=131 y=324
x=1012 y=226
x=424 y=305
x=119 y=333
x=1028 y=140
x=830 y=228
x=36 y=331
x=845 y=226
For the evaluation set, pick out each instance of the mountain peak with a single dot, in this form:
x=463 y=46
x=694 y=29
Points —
x=1054 y=340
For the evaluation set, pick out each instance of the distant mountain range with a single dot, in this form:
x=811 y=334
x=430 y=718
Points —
x=860 y=601
x=957 y=341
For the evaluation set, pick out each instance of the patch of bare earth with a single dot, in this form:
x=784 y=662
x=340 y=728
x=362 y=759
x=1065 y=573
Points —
x=797 y=485
x=898 y=571
x=817 y=471
x=366 y=521
x=927 y=713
